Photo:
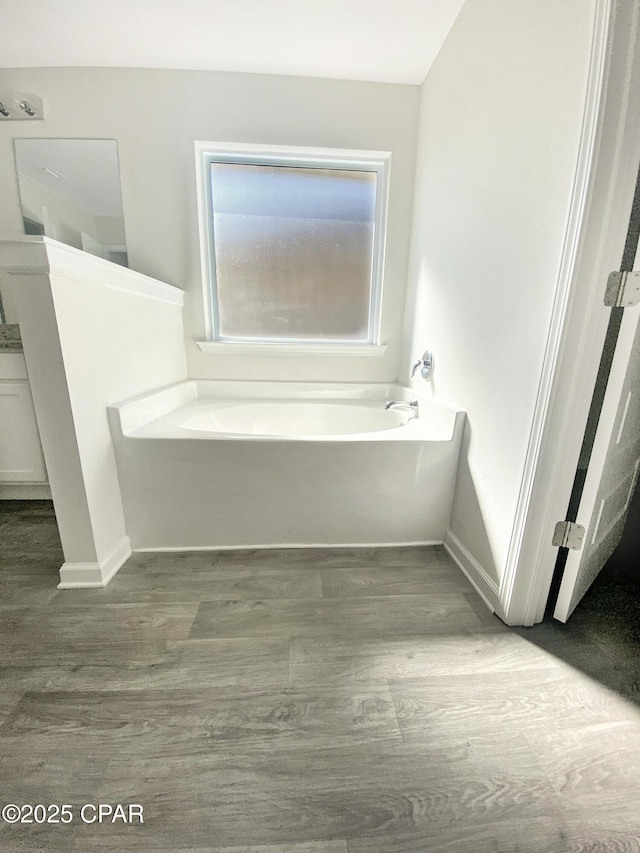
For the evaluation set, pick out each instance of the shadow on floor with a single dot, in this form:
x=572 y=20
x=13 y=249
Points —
x=602 y=636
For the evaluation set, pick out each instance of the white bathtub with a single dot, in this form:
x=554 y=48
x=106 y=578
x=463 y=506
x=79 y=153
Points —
x=288 y=420
x=244 y=464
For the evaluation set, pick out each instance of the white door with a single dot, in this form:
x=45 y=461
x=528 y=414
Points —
x=613 y=468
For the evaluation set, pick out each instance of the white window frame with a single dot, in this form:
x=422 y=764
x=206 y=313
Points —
x=270 y=155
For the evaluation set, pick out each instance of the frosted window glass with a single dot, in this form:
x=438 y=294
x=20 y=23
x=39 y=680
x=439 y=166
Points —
x=293 y=251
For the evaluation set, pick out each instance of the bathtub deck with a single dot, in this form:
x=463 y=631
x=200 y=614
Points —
x=349 y=701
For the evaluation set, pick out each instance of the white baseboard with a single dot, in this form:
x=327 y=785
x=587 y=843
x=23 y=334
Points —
x=285 y=545
x=92 y=575
x=484 y=585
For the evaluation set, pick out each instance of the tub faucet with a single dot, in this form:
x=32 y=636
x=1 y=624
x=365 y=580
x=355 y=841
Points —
x=425 y=364
x=412 y=405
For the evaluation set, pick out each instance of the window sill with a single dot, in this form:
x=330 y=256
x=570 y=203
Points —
x=331 y=350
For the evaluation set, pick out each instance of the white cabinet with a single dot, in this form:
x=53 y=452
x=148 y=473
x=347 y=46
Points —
x=21 y=459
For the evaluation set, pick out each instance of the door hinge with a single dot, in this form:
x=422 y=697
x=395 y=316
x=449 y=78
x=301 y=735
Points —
x=568 y=534
x=622 y=290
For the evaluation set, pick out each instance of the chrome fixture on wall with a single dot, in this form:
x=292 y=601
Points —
x=19 y=106
x=426 y=364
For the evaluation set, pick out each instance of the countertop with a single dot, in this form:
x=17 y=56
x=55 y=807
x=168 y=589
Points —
x=10 y=340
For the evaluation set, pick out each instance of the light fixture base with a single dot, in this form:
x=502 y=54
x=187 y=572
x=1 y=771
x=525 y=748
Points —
x=20 y=106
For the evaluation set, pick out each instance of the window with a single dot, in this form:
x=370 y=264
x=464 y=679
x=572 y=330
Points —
x=293 y=244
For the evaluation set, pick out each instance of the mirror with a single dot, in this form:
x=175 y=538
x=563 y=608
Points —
x=70 y=191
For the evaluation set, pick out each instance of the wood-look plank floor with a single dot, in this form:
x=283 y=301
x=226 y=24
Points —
x=308 y=701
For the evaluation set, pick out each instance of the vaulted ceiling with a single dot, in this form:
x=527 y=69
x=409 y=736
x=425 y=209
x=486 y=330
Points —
x=391 y=41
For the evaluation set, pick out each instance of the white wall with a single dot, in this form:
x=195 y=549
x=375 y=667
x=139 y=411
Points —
x=501 y=115
x=155 y=116
x=93 y=334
